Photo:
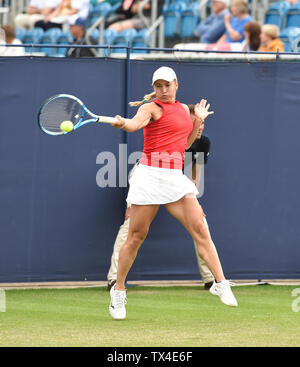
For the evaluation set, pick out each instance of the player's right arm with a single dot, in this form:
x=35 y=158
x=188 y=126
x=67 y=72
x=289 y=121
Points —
x=142 y=118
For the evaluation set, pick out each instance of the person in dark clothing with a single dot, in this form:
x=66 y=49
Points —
x=78 y=32
x=127 y=17
x=123 y=12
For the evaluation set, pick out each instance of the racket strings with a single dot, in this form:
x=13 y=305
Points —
x=58 y=110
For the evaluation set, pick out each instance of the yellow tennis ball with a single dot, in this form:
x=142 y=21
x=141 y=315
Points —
x=67 y=126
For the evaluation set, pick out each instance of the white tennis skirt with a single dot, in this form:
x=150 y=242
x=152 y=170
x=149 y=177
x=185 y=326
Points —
x=153 y=185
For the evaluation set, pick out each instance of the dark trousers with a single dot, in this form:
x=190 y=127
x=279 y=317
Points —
x=47 y=25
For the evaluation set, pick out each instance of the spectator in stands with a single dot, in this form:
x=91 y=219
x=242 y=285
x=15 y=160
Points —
x=270 y=41
x=77 y=30
x=9 y=36
x=252 y=32
x=213 y=27
x=127 y=16
x=234 y=24
x=66 y=13
x=36 y=10
x=123 y=12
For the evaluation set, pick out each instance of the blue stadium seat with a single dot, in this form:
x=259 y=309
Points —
x=20 y=33
x=187 y=2
x=123 y=39
x=102 y=9
x=33 y=35
x=95 y=35
x=295 y=44
x=109 y=35
x=276 y=13
x=288 y=36
x=189 y=20
x=64 y=39
x=166 y=5
x=68 y=35
x=91 y=20
x=139 y=40
x=108 y=39
x=37 y=32
x=172 y=18
x=50 y=37
x=292 y=17
x=53 y=32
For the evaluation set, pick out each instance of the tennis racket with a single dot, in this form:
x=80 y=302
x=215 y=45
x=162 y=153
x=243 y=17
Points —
x=65 y=107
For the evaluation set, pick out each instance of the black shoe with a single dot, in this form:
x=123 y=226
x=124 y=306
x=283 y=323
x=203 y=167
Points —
x=207 y=285
x=110 y=283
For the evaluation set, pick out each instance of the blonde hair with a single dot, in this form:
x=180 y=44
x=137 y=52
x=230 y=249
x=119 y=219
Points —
x=270 y=30
x=147 y=98
x=242 y=5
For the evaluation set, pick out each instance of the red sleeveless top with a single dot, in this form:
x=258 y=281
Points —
x=165 y=139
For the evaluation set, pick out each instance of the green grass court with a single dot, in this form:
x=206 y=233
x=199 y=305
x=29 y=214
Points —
x=179 y=316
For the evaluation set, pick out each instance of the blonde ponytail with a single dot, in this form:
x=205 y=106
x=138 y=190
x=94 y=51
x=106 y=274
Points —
x=147 y=98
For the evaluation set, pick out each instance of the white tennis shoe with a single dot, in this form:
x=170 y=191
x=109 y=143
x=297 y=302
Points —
x=224 y=292
x=117 y=308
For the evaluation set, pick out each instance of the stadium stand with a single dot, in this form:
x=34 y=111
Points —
x=276 y=13
x=288 y=37
x=296 y=44
x=50 y=37
x=123 y=38
x=31 y=36
x=180 y=18
x=64 y=38
x=20 y=33
x=99 y=10
x=140 y=40
x=109 y=36
x=172 y=18
x=189 y=20
x=292 y=17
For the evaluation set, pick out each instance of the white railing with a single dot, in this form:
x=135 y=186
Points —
x=88 y=36
x=151 y=35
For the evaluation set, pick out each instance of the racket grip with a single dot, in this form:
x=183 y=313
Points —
x=107 y=119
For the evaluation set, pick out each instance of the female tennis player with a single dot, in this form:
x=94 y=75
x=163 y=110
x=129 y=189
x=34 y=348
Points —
x=158 y=180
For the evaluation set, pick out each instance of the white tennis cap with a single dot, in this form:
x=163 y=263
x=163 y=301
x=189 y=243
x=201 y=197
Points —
x=164 y=73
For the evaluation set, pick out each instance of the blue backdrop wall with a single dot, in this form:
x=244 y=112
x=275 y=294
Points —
x=58 y=224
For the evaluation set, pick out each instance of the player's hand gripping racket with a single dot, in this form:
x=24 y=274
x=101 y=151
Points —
x=63 y=113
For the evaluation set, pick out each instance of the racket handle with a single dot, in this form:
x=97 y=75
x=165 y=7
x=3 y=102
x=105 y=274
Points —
x=107 y=119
